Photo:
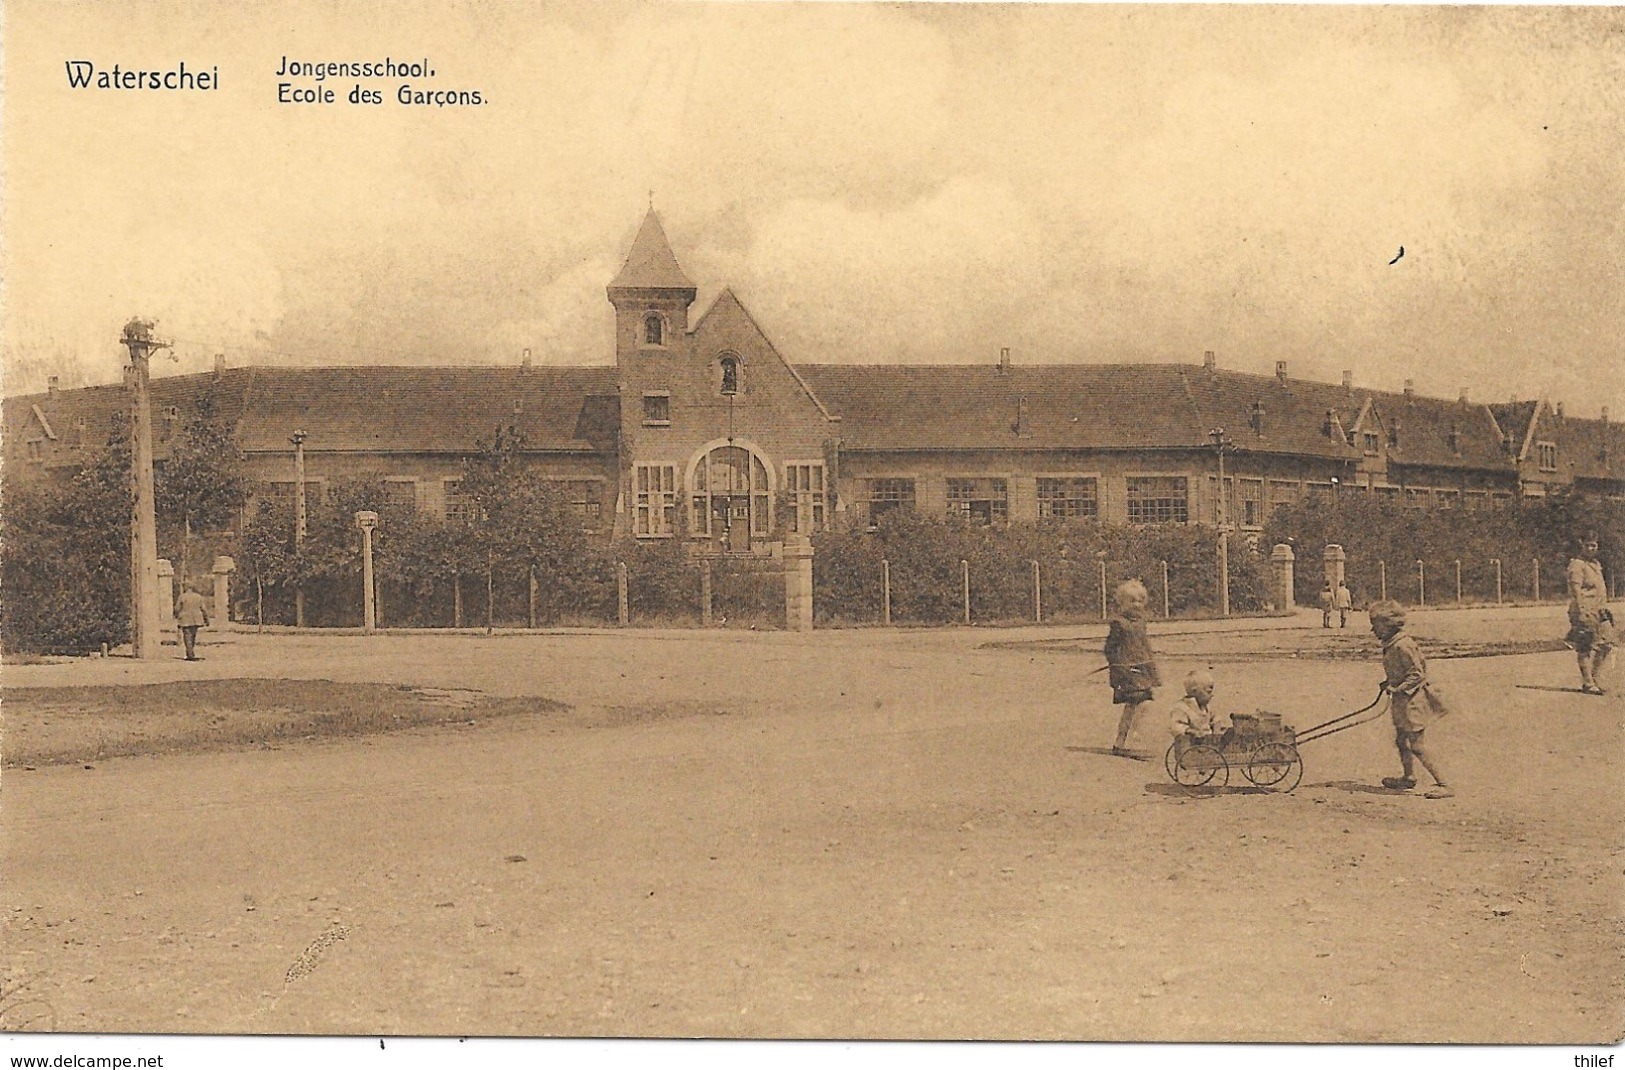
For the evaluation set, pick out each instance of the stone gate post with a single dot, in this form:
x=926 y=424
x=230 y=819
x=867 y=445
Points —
x=798 y=583
x=1281 y=559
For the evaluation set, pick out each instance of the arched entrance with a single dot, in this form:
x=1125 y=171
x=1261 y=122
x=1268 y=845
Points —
x=731 y=495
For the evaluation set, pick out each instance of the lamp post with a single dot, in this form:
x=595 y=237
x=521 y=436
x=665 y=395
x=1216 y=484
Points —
x=299 y=524
x=144 y=609
x=1222 y=442
x=367 y=520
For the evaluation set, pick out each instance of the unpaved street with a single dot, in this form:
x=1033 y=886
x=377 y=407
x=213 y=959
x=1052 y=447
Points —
x=852 y=834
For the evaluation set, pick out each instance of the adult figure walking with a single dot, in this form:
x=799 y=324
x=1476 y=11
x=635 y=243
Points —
x=191 y=613
x=1591 y=623
x=1344 y=600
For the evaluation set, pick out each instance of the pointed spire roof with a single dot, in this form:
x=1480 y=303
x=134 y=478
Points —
x=650 y=265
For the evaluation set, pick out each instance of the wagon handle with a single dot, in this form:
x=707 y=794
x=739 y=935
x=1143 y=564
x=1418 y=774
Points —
x=1324 y=729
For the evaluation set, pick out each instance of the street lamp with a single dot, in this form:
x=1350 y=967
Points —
x=367 y=520
x=1221 y=443
x=298 y=440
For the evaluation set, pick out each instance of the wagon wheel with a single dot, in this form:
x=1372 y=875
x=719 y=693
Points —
x=1198 y=765
x=1274 y=766
x=1170 y=760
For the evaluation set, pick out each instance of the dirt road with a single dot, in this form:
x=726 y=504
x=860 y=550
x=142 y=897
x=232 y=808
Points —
x=853 y=834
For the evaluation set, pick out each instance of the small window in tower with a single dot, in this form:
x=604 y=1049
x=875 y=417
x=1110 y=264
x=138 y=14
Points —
x=730 y=375
x=654 y=330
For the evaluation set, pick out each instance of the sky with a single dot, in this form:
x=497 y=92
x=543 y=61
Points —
x=878 y=183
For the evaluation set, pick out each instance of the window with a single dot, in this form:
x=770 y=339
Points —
x=1251 y=504
x=654 y=330
x=730 y=494
x=36 y=449
x=1068 y=498
x=1158 y=500
x=1418 y=497
x=730 y=375
x=981 y=501
x=1500 y=499
x=656 y=410
x=583 y=498
x=1373 y=442
x=1449 y=499
x=805 y=485
x=886 y=495
x=1475 y=500
x=1319 y=493
x=458 y=508
x=1547 y=454
x=1389 y=493
x=401 y=492
x=654 y=501
x=1282 y=492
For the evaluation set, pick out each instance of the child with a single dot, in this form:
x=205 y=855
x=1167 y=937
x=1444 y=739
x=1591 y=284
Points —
x=1192 y=718
x=1327 y=599
x=1412 y=702
x=1132 y=665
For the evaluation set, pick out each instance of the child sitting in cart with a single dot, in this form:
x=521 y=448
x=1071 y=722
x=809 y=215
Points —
x=1412 y=701
x=1192 y=717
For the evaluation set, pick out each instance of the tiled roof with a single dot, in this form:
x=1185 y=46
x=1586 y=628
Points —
x=1596 y=448
x=368 y=409
x=428 y=410
x=651 y=265
x=1425 y=432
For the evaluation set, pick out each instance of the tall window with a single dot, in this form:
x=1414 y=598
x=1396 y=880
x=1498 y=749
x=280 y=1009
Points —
x=805 y=485
x=730 y=493
x=654 y=330
x=1251 y=503
x=886 y=495
x=1372 y=443
x=654 y=504
x=1158 y=500
x=458 y=508
x=981 y=501
x=1547 y=454
x=1068 y=498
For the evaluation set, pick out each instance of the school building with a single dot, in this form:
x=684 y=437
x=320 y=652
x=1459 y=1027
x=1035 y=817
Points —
x=703 y=430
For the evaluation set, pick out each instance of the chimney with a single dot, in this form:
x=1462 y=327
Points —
x=219 y=365
x=1455 y=438
x=51 y=385
x=1410 y=389
x=1280 y=370
x=1560 y=412
x=1393 y=434
x=1605 y=414
x=1465 y=400
x=1209 y=361
x=1256 y=420
x=1004 y=360
x=524 y=360
x=1348 y=381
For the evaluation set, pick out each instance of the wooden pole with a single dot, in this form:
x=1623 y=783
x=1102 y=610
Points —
x=1382 y=580
x=456 y=599
x=489 y=589
x=1537 y=579
x=964 y=570
x=885 y=591
x=530 y=572
x=705 y=593
x=1038 y=597
x=1103 y=588
x=1421 y=583
x=144 y=611
x=1165 y=600
x=1497 y=581
x=623 y=616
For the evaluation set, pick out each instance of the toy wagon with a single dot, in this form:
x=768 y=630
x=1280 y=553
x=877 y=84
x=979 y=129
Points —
x=1259 y=744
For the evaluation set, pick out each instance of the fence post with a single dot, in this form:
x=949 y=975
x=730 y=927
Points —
x=1537 y=579
x=1458 y=581
x=1421 y=583
x=622 y=616
x=456 y=599
x=1038 y=597
x=964 y=571
x=885 y=591
x=705 y=593
x=1102 y=588
x=531 y=573
x=490 y=589
x=1165 y=613
x=1382 y=580
x=1497 y=561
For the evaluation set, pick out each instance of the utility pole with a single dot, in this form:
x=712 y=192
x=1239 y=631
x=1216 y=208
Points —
x=144 y=609
x=1222 y=442
x=298 y=440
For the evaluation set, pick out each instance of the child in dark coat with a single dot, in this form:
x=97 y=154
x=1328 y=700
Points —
x=1129 y=658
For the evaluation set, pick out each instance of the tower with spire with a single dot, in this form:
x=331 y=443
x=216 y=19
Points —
x=651 y=295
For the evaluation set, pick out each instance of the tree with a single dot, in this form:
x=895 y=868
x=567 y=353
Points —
x=201 y=486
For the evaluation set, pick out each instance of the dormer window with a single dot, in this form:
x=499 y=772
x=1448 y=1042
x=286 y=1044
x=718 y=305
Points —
x=654 y=330
x=1393 y=435
x=729 y=365
x=1372 y=443
x=1547 y=454
x=1256 y=419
